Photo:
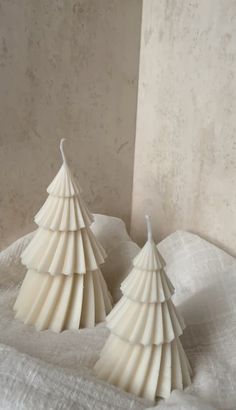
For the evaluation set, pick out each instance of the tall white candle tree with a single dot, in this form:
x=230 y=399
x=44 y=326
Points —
x=143 y=354
x=63 y=287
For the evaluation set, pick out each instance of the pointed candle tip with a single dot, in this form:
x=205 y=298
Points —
x=149 y=227
x=62 y=149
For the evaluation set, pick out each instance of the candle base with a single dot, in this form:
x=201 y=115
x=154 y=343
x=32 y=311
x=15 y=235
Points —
x=63 y=301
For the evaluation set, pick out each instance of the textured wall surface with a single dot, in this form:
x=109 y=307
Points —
x=70 y=68
x=67 y=69
x=185 y=159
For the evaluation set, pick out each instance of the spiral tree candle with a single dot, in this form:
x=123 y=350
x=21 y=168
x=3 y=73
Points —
x=143 y=355
x=63 y=287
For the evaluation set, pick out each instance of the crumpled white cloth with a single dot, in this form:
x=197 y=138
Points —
x=43 y=370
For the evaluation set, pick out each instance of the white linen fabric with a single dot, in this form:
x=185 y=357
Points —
x=43 y=370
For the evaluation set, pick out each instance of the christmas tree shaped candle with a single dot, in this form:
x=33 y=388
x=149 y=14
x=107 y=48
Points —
x=63 y=287
x=143 y=354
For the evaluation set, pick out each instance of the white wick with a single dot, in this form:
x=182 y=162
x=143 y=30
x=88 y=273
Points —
x=62 y=150
x=149 y=227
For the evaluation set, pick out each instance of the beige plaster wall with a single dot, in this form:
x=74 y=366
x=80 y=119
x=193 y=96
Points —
x=185 y=157
x=67 y=69
x=70 y=68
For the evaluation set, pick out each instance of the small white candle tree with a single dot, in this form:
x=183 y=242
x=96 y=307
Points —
x=63 y=287
x=143 y=354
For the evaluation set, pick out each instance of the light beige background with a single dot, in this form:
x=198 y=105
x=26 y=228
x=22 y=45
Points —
x=185 y=158
x=70 y=69
x=67 y=69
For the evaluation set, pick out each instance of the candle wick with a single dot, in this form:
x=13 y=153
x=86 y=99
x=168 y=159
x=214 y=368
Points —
x=62 y=150
x=149 y=228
